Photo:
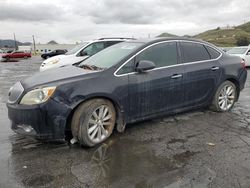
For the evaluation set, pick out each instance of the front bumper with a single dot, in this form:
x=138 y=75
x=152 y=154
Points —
x=44 y=121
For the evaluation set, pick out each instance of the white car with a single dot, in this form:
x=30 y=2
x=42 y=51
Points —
x=79 y=53
x=243 y=52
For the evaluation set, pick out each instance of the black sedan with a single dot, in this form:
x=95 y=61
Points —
x=125 y=83
x=53 y=53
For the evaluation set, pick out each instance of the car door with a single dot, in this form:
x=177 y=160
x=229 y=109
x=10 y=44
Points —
x=202 y=72
x=20 y=54
x=158 y=90
x=15 y=55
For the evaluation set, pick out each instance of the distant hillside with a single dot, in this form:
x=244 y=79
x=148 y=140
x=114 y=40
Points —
x=11 y=43
x=52 y=42
x=167 y=35
x=226 y=36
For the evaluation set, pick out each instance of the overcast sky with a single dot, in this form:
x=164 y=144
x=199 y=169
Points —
x=68 y=21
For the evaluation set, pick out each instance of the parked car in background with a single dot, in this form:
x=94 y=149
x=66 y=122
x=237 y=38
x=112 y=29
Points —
x=53 y=53
x=16 y=55
x=243 y=52
x=79 y=53
x=125 y=83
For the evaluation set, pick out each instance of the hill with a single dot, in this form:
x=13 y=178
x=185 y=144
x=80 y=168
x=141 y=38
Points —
x=167 y=35
x=11 y=43
x=226 y=36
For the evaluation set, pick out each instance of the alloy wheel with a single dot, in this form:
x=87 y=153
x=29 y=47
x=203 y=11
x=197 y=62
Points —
x=100 y=124
x=226 y=97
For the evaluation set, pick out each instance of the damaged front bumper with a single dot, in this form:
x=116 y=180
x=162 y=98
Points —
x=44 y=121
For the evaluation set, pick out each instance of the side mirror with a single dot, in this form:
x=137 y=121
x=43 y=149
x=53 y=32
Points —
x=144 y=65
x=248 y=53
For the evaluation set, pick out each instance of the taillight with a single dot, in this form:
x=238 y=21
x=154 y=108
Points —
x=243 y=63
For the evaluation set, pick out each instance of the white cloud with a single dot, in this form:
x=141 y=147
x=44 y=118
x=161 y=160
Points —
x=70 y=21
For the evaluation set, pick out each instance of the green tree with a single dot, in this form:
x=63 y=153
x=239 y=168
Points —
x=242 y=41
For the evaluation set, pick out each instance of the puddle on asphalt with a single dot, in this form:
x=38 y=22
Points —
x=38 y=180
x=117 y=162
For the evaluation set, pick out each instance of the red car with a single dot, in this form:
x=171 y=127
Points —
x=16 y=54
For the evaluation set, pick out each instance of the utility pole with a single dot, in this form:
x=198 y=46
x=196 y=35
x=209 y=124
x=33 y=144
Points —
x=34 y=43
x=16 y=48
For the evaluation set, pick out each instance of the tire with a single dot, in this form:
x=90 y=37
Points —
x=93 y=122
x=225 y=97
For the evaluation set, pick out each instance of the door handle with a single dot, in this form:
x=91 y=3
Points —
x=175 y=76
x=215 y=68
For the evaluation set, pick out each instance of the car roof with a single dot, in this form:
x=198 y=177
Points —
x=159 y=39
x=149 y=41
x=109 y=39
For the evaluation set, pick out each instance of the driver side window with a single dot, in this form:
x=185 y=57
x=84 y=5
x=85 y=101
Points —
x=164 y=54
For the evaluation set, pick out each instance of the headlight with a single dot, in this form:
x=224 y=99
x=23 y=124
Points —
x=37 y=96
x=54 y=61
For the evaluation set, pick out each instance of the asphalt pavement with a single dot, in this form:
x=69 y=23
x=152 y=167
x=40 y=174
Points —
x=198 y=149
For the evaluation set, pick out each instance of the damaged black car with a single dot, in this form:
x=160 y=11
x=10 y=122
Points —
x=125 y=83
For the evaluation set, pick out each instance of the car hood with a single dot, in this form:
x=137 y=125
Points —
x=55 y=76
x=57 y=57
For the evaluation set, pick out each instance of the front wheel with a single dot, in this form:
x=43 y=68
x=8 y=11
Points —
x=224 y=97
x=93 y=122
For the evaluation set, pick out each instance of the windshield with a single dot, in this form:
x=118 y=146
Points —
x=112 y=55
x=76 y=49
x=237 y=51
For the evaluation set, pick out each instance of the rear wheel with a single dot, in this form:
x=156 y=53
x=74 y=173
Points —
x=93 y=122
x=224 y=97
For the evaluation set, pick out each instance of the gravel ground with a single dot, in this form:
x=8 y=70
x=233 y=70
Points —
x=189 y=150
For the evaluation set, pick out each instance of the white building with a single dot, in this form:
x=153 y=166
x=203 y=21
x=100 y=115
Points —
x=45 y=48
x=25 y=48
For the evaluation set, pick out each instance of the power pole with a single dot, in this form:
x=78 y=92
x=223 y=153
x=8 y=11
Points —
x=34 y=43
x=16 y=48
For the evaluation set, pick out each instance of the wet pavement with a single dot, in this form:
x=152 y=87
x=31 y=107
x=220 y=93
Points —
x=190 y=150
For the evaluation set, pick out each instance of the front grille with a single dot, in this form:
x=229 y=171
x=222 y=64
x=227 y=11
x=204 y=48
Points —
x=15 y=92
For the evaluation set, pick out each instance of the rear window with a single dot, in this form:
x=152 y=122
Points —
x=213 y=53
x=192 y=52
x=110 y=43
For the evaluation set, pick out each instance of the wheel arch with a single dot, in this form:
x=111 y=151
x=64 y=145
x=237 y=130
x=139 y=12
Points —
x=119 y=114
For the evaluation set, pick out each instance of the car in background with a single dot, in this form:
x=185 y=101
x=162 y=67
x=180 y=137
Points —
x=53 y=53
x=243 y=52
x=128 y=82
x=16 y=55
x=80 y=52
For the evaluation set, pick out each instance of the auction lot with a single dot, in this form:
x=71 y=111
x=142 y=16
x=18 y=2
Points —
x=189 y=150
